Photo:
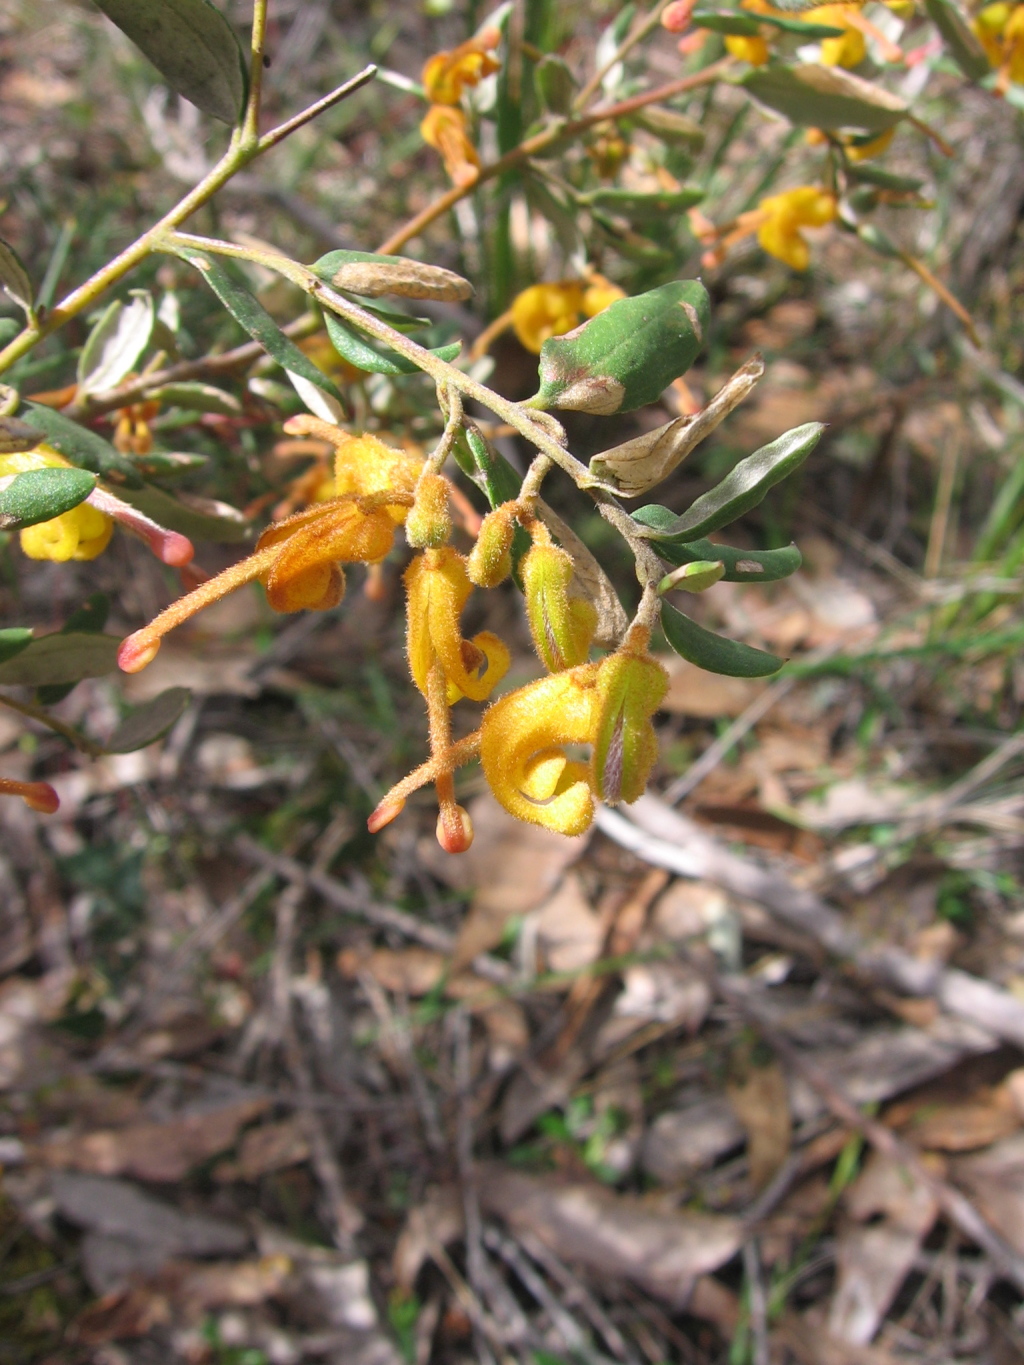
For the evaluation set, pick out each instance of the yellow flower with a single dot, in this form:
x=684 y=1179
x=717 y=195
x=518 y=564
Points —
x=38 y=796
x=438 y=588
x=752 y=50
x=298 y=560
x=1000 y=29
x=447 y=130
x=850 y=49
x=447 y=74
x=781 y=216
x=82 y=533
x=608 y=706
x=862 y=151
x=551 y=310
x=132 y=434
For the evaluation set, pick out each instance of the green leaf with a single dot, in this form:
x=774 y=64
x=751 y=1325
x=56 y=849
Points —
x=884 y=180
x=13 y=640
x=42 y=494
x=697 y=576
x=15 y=280
x=255 y=319
x=672 y=126
x=714 y=652
x=193 y=47
x=115 y=344
x=961 y=41
x=491 y=472
x=148 y=723
x=169 y=464
x=738 y=492
x=197 y=397
x=364 y=272
x=61 y=658
x=555 y=85
x=83 y=447
x=644 y=206
x=91 y=617
x=207 y=520
x=824 y=97
x=726 y=21
x=627 y=355
x=741 y=566
x=371 y=355
x=802 y=27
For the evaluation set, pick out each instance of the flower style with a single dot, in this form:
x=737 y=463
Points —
x=298 y=560
x=1000 y=29
x=38 y=796
x=447 y=130
x=608 y=706
x=447 y=74
x=782 y=217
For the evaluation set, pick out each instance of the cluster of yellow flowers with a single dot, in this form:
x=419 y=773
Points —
x=1000 y=29
x=445 y=77
x=778 y=221
x=522 y=740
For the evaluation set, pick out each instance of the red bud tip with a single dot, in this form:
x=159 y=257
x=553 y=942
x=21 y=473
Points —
x=38 y=796
x=676 y=16
x=454 y=829
x=136 y=652
x=384 y=814
x=176 y=550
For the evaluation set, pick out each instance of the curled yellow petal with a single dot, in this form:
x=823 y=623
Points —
x=438 y=587
x=447 y=130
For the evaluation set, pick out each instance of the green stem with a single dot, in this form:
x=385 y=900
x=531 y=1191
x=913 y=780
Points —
x=250 y=130
x=68 y=732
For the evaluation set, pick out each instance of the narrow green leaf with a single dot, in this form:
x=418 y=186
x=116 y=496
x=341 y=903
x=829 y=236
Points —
x=961 y=41
x=255 y=319
x=741 y=566
x=726 y=21
x=42 y=494
x=13 y=639
x=197 y=397
x=738 y=492
x=61 y=658
x=489 y=470
x=193 y=47
x=555 y=85
x=824 y=97
x=371 y=355
x=644 y=206
x=150 y=722
x=864 y=172
x=82 y=446
x=714 y=652
x=697 y=576
x=627 y=355
x=802 y=27
x=672 y=126
x=14 y=278
x=365 y=272
x=115 y=344
x=206 y=521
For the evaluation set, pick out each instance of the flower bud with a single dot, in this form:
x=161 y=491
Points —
x=490 y=560
x=562 y=626
x=430 y=521
x=454 y=829
x=676 y=16
x=630 y=688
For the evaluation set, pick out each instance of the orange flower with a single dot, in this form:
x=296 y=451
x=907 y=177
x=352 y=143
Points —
x=447 y=74
x=446 y=129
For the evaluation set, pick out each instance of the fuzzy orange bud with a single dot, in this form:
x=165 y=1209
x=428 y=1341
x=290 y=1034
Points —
x=38 y=796
x=562 y=626
x=490 y=561
x=430 y=521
